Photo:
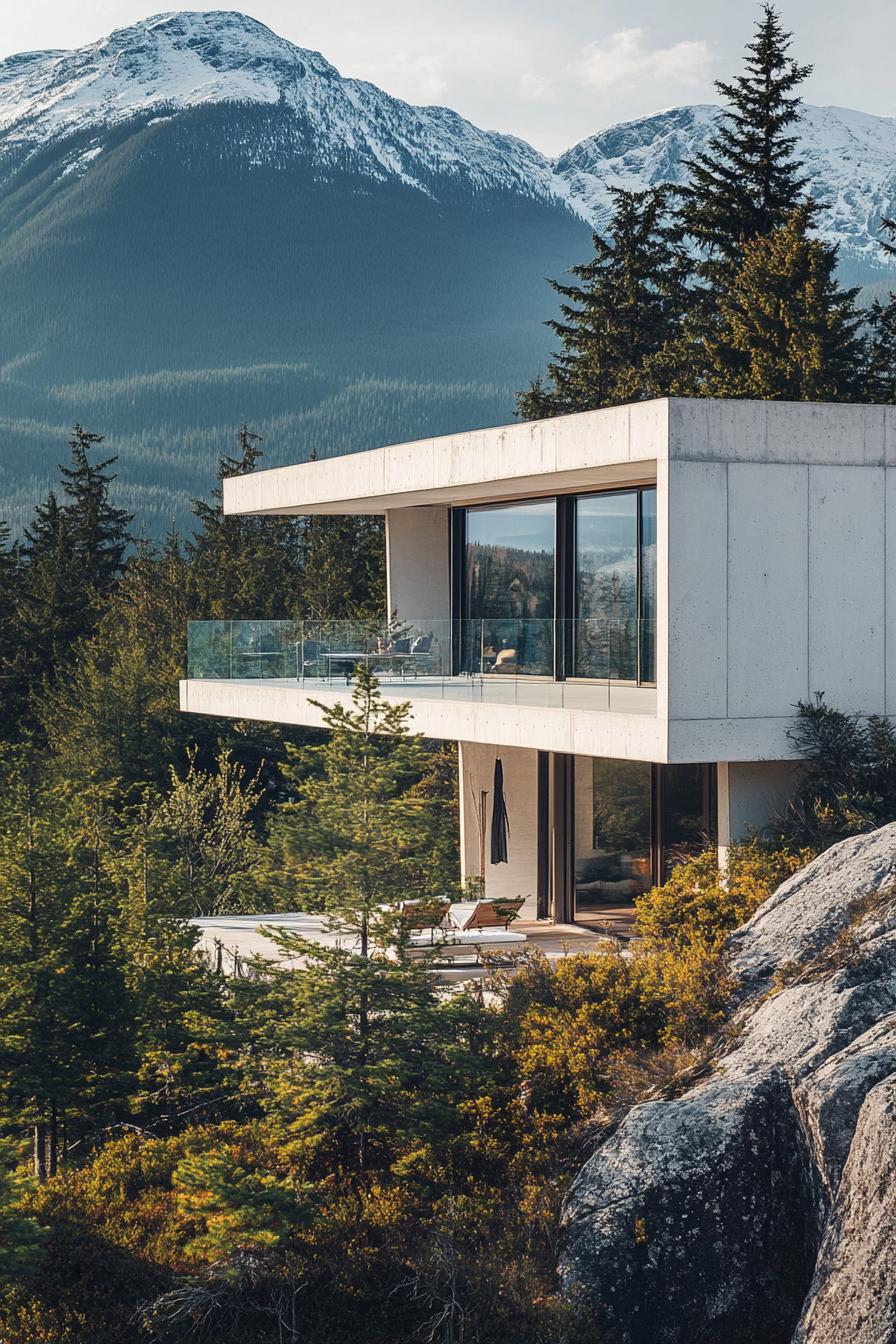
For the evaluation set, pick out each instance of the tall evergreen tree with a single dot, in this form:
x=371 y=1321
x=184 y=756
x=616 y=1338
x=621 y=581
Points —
x=13 y=690
x=97 y=528
x=357 y=834
x=114 y=716
x=243 y=567
x=52 y=607
x=880 y=359
x=73 y=554
x=748 y=181
x=64 y=1015
x=793 y=332
x=343 y=567
x=182 y=1017
x=363 y=1056
x=624 y=308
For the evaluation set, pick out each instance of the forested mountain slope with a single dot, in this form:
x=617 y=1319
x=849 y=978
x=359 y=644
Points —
x=201 y=222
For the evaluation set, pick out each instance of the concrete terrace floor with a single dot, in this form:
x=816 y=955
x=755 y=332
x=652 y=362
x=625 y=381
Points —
x=617 y=697
x=236 y=939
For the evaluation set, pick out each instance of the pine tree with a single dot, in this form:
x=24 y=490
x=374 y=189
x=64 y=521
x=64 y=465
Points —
x=625 y=308
x=243 y=567
x=183 y=1030
x=98 y=530
x=114 y=717
x=204 y=820
x=72 y=555
x=793 y=332
x=64 y=1016
x=52 y=607
x=343 y=567
x=748 y=181
x=880 y=353
x=13 y=689
x=357 y=837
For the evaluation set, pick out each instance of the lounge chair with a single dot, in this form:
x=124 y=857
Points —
x=489 y=913
x=423 y=916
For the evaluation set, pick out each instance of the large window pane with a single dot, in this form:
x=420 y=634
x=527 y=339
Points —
x=509 y=589
x=613 y=829
x=648 y=585
x=685 y=823
x=606 y=586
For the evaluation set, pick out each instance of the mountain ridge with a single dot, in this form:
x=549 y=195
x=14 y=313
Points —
x=202 y=223
x=181 y=59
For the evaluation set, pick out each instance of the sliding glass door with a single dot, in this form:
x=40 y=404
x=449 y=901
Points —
x=507 y=622
x=583 y=566
x=615 y=585
x=634 y=822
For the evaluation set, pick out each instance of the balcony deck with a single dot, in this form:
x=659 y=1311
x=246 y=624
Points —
x=232 y=941
x=612 y=697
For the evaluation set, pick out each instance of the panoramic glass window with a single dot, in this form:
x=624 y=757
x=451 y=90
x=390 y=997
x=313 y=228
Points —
x=508 y=589
x=685 y=824
x=606 y=586
x=613 y=862
x=647 y=670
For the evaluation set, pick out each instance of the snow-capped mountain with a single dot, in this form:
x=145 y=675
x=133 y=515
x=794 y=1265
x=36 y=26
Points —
x=849 y=159
x=172 y=62
x=181 y=60
x=202 y=223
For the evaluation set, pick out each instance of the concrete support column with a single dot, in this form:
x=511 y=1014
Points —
x=519 y=876
x=750 y=794
x=418 y=564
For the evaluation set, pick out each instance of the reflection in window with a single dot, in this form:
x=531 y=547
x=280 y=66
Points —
x=606 y=643
x=648 y=586
x=618 y=865
x=615 y=586
x=685 y=822
x=509 y=589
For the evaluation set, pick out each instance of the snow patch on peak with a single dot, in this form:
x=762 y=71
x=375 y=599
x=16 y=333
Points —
x=183 y=59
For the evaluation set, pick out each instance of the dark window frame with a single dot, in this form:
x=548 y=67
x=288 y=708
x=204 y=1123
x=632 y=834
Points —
x=564 y=575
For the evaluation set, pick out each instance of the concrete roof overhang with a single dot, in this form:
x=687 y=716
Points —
x=595 y=449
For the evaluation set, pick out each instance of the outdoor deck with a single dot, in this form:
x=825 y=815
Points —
x=615 y=697
x=231 y=941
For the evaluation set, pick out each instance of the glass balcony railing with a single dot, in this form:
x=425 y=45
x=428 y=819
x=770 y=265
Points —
x=599 y=663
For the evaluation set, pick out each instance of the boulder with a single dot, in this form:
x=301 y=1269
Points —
x=718 y=1215
x=852 y=1299
x=813 y=907
x=694 y=1221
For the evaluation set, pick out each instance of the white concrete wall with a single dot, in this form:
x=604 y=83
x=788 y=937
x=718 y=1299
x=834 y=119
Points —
x=418 y=563
x=750 y=794
x=774 y=523
x=518 y=876
x=780 y=518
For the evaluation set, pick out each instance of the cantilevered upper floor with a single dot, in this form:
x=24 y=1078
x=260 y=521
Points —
x=662 y=581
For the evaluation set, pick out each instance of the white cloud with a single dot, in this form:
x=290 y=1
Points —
x=623 y=56
x=417 y=79
x=536 y=88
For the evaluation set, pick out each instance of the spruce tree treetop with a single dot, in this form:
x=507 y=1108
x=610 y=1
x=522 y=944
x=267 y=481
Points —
x=618 y=316
x=99 y=531
x=787 y=331
x=880 y=345
x=748 y=180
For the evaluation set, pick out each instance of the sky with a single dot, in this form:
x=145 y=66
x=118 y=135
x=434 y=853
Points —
x=551 y=72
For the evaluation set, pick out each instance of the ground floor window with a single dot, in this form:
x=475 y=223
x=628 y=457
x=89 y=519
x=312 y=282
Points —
x=634 y=821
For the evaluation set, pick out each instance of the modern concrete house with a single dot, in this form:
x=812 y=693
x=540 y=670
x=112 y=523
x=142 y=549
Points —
x=625 y=606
